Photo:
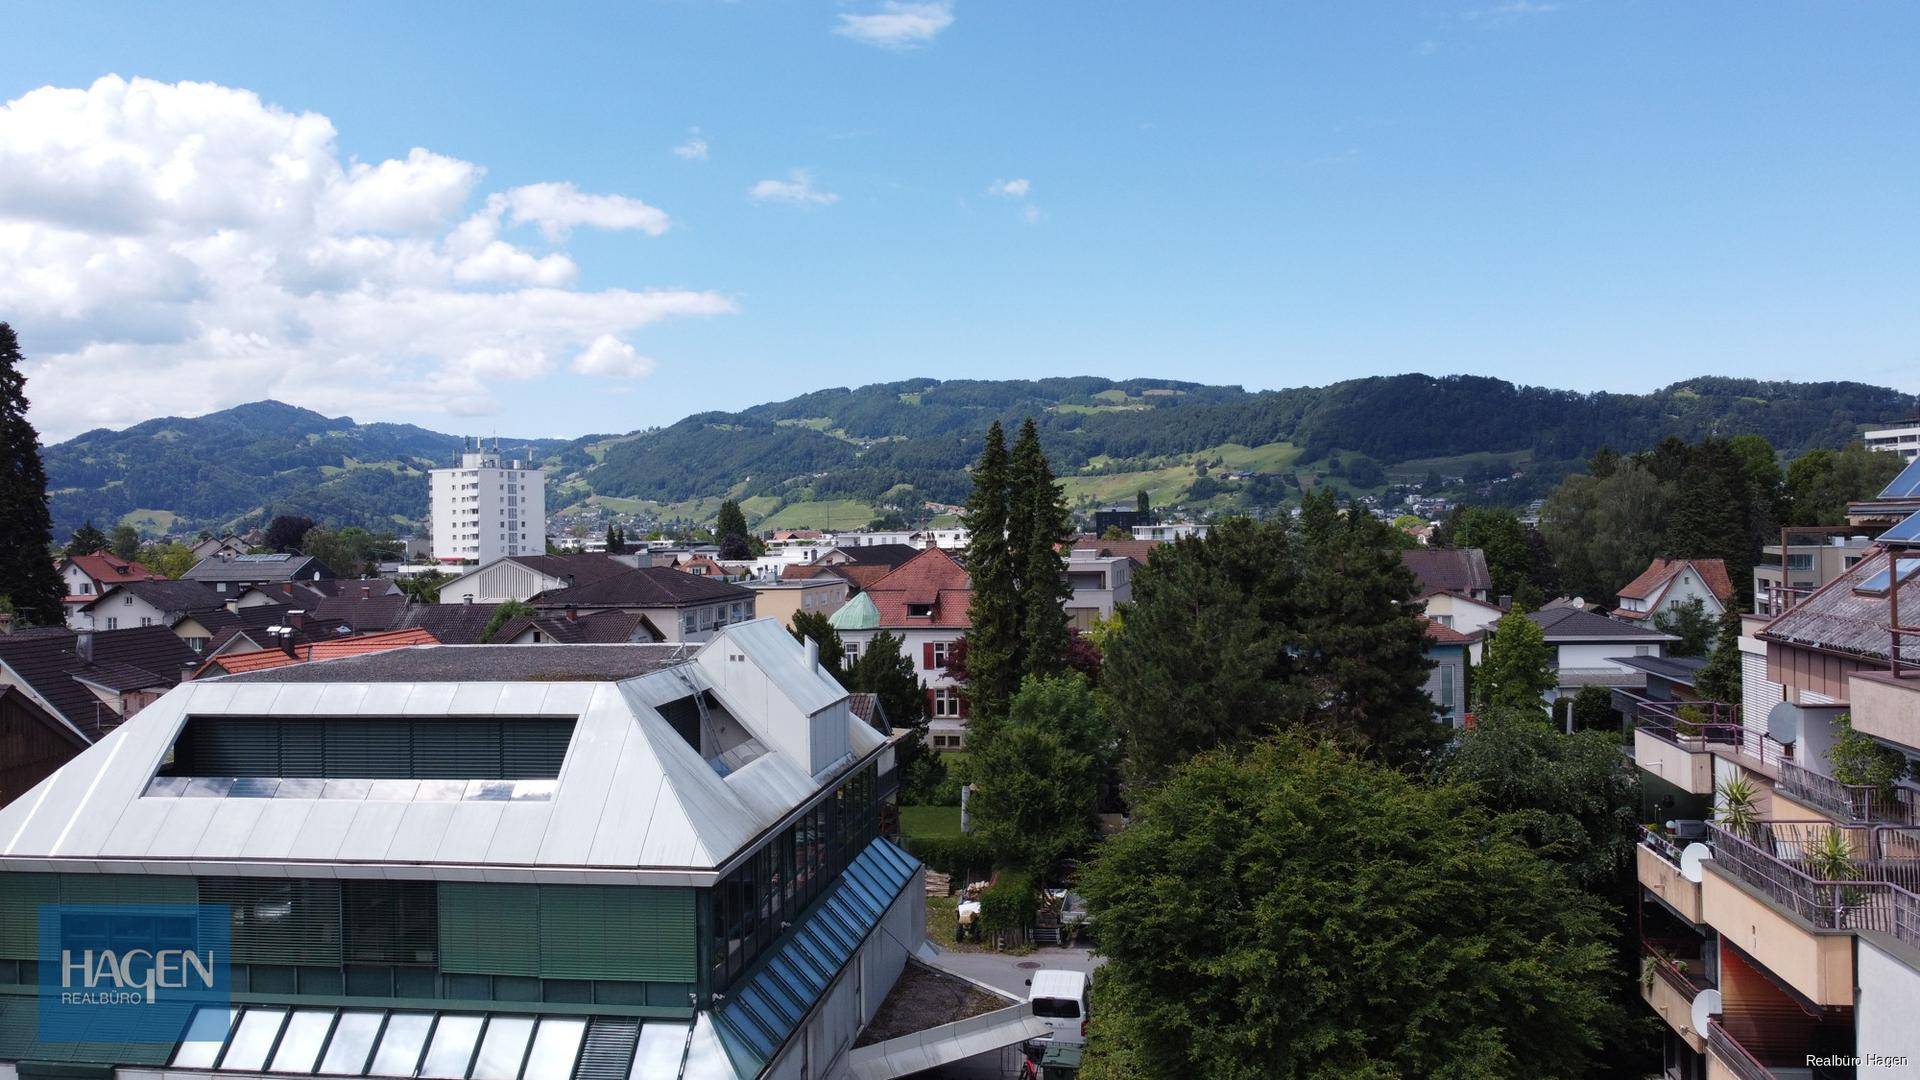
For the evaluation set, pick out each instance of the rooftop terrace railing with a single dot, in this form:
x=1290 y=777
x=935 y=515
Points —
x=1663 y=721
x=1857 y=804
x=1776 y=860
x=1661 y=844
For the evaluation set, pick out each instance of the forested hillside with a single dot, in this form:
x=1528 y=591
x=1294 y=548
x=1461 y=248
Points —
x=248 y=461
x=904 y=443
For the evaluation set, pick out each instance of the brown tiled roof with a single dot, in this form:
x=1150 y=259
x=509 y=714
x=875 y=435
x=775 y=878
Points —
x=165 y=595
x=1654 y=579
x=452 y=624
x=140 y=657
x=1578 y=624
x=1438 y=570
x=891 y=556
x=1137 y=550
x=932 y=577
x=585 y=569
x=1447 y=635
x=110 y=569
x=598 y=628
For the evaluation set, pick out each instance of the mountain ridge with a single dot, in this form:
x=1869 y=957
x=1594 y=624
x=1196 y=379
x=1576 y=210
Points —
x=907 y=443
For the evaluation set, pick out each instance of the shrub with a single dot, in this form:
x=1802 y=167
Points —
x=962 y=856
x=1009 y=903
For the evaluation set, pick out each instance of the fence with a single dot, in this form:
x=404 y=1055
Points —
x=1775 y=860
x=1733 y=1055
x=1853 y=803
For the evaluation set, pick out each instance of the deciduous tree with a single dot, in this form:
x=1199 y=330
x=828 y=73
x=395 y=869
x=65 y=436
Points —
x=1517 y=669
x=1298 y=912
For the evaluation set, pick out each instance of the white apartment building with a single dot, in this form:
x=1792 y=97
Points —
x=488 y=508
x=1903 y=440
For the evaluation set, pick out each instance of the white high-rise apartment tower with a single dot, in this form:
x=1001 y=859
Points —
x=488 y=508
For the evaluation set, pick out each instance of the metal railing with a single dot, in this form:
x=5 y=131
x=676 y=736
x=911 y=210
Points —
x=1661 y=721
x=1666 y=713
x=1774 y=861
x=1733 y=1055
x=1666 y=965
x=1661 y=844
x=1857 y=804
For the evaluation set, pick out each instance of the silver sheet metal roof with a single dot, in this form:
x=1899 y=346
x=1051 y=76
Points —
x=633 y=799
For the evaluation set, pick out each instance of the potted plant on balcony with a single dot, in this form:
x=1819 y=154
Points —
x=1738 y=811
x=1859 y=761
x=1830 y=858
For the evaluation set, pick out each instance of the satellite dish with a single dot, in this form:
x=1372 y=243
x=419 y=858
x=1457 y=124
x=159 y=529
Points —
x=1783 y=723
x=1705 y=1007
x=1690 y=861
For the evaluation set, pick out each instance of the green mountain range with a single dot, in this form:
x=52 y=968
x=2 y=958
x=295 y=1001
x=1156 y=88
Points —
x=835 y=457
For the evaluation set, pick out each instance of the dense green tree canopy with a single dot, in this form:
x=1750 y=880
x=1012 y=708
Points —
x=1300 y=913
x=86 y=540
x=1517 y=666
x=885 y=670
x=1689 y=621
x=1037 y=781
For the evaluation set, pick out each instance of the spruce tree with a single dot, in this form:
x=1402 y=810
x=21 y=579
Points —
x=1719 y=679
x=1364 y=651
x=1023 y=466
x=993 y=636
x=86 y=540
x=27 y=577
x=1045 y=526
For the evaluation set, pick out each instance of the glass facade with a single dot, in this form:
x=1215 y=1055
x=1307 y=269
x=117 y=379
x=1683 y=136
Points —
x=750 y=907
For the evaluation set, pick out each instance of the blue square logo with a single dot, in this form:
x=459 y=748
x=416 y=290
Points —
x=130 y=973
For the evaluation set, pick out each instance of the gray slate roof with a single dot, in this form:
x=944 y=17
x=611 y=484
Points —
x=165 y=595
x=257 y=568
x=1841 y=620
x=646 y=587
x=1573 y=624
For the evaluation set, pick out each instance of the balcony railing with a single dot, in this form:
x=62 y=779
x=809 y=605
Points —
x=1666 y=965
x=1855 y=804
x=1774 y=861
x=1661 y=844
x=1661 y=720
x=1733 y=1055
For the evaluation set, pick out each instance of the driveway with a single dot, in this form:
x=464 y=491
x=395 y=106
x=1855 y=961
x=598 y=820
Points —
x=1010 y=973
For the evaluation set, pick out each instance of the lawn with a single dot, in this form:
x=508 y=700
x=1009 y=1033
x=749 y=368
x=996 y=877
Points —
x=930 y=820
x=826 y=514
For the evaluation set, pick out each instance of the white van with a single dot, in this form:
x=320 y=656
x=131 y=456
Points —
x=1062 y=1001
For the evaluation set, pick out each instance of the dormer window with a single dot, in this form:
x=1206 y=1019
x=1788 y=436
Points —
x=919 y=611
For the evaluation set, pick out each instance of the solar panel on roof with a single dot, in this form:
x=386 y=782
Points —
x=1907 y=531
x=261 y=558
x=1877 y=584
x=1906 y=485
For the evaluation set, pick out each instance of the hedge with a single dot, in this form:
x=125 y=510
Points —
x=962 y=855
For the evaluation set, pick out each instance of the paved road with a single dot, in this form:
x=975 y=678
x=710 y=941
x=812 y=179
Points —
x=1006 y=973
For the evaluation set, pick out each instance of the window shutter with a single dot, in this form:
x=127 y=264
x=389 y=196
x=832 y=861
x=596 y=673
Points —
x=927 y=654
x=930 y=711
x=616 y=932
x=489 y=929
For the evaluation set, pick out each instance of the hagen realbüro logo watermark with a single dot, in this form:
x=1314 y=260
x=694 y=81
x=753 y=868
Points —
x=130 y=973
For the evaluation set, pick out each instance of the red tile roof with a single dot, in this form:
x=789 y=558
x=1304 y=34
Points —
x=1137 y=550
x=260 y=659
x=932 y=577
x=110 y=569
x=1654 y=579
x=1447 y=635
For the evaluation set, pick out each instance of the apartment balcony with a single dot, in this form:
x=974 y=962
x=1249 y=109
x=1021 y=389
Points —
x=1671 y=977
x=1679 y=746
x=1762 y=894
x=1846 y=804
x=1885 y=706
x=1657 y=866
x=1728 y=1060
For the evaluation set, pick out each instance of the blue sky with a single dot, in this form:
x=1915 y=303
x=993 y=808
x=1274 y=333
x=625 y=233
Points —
x=1586 y=195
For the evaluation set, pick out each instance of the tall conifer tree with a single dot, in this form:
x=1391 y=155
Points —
x=26 y=527
x=1045 y=526
x=993 y=638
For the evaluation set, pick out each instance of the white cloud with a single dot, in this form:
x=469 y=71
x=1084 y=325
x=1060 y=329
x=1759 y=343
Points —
x=558 y=207
x=195 y=247
x=1010 y=189
x=694 y=149
x=898 y=24
x=1514 y=9
x=796 y=190
x=610 y=356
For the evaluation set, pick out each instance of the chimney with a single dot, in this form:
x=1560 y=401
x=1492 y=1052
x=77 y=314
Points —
x=83 y=645
x=570 y=581
x=187 y=669
x=813 y=655
x=366 y=591
x=572 y=613
x=296 y=619
x=286 y=639
x=233 y=605
x=1506 y=601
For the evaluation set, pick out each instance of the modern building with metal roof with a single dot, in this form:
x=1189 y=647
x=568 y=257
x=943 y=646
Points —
x=570 y=862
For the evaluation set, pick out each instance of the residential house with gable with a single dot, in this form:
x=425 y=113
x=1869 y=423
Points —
x=85 y=577
x=924 y=603
x=231 y=575
x=1587 y=650
x=1667 y=583
x=155 y=602
x=682 y=607
x=1455 y=590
